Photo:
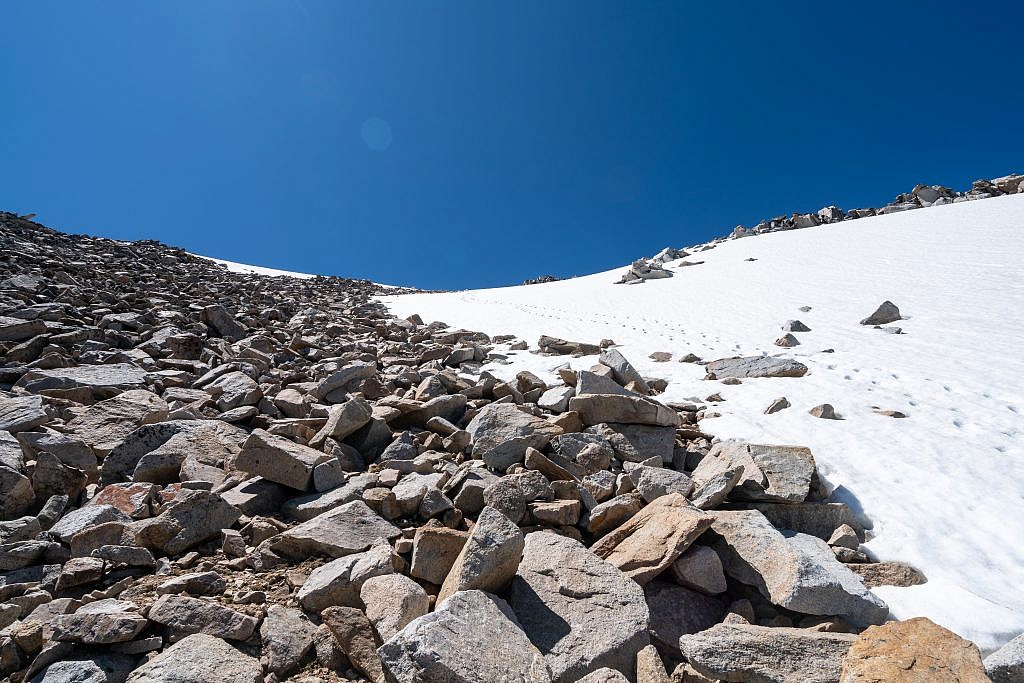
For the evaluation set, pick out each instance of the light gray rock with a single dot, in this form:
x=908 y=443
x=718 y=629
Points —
x=103 y=381
x=286 y=635
x=655 y=482
x=100 y=623
x=279 y=460
x=82 y=518
x=582 y=612
x=22 y=413
x=1006 y=665
x=392 y=601
x=96 y=669
x=471 y=638
x=502 y=432
x=769 y=473
x=349 y=528
x=588 y=382
x=604 y=675
x=606 y=516
x=760 y=654
x=234 y=390
x=489 y=558
x=887 y=312
x=556 y=399
x=16 y=329
x=755 y=366
x=636 y=443
x=338 y=582
x=798 y=572
x=344 y=377
x=622 y=370
x=215 y=658
x=193 y=517
x=343 y=420
x=184 y=616
x=597 y=408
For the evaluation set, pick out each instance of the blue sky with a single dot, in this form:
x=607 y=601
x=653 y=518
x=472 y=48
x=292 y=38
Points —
x=468 y=144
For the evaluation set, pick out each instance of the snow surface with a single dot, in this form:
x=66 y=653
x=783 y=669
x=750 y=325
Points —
x=255 y=270
x=236 y=267
x=943 y=488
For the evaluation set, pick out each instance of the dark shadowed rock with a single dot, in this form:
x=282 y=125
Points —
x=885 y=313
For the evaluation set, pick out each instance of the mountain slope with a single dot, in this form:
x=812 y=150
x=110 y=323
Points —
x=943 y=487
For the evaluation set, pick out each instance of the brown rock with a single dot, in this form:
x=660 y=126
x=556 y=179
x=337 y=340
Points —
x=912 y=651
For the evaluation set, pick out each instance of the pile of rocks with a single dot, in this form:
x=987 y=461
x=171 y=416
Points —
x=215 y=476
x=541 y=280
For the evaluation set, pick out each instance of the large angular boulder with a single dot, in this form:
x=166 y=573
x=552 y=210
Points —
x=392 y=601
x=342 y=420
x=355 y=635
x=100 y=623
x=798 y=572
x=502 y=432
x=471 y=637
x=103 y=381
x=184 y=616
x=338 y=582
x=349 y=528
x=637 y=410
x=636 y=443
x=622 y=370
x=743 y=652
x=912 y=651
x=279 y=459
x=489 y=558
x=104 y=425
x=215 y=658
x=286 y=635
x=193 y=517
x=580 y=611
x=650 y=541
x=770 y=473
x=755 y=366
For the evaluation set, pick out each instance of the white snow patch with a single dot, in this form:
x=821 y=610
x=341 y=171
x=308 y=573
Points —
x=234 y=267
x=944 y=487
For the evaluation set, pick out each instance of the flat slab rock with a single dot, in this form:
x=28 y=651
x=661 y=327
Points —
x=473 y=636
x=761 y=654
x=215 y=658
x=770 y=473
x=107 y=379
x=651 y=540
x=580 y=611
x=755 y=366
x=349 y=528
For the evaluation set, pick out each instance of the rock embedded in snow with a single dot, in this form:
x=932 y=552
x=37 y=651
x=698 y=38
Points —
x=912 y=650
x=778 y=404
x=787 y=340
x=795 y=326
x=1006 y=665
x=755 y=366
x=622 y=370
x=885 y=313
x=824 y=411
x=743 y=652
x=585 y=613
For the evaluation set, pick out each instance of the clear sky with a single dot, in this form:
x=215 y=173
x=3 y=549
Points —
x=465 y=144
